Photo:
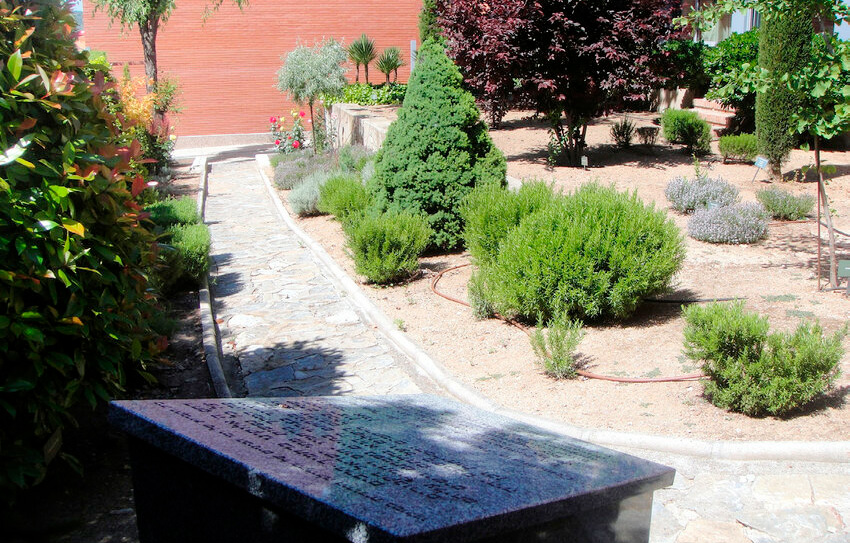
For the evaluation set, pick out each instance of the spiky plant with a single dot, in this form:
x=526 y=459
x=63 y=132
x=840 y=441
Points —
x=362 y=51
x=389 y=62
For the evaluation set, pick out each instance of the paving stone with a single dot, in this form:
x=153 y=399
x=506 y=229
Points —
x=710 y=531
x=792 y=524
x=783 y=489
x=260 y=382
x=343 y=317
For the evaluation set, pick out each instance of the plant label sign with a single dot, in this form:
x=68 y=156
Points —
x=760 y=164
x=584 y=161
x=844 y=271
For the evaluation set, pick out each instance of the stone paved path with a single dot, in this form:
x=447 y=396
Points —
x=285 y=328
x=290 y=331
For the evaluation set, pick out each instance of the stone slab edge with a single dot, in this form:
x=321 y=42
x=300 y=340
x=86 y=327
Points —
x=817 y=451
x=209 y=335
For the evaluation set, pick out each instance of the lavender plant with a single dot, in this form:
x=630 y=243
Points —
x=688 y=195
x=738 y=223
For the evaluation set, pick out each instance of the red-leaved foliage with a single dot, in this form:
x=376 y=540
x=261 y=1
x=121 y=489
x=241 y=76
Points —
x=575 y=60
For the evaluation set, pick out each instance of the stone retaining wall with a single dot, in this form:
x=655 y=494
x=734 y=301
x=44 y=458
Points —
x=363 y=125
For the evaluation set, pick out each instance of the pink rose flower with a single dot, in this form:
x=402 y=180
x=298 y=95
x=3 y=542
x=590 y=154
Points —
x=272 y=120
x=277 y=142
x=296 y=144
x=301 y=113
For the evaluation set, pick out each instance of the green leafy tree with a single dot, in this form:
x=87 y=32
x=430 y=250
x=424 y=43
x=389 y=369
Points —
x=437 y=150
x=785 y=45
x=362 y=51
x=389 y=62
x=311 y=72
x=428 y=27
x=148 y=16
x=74 y=301
x=822 y=84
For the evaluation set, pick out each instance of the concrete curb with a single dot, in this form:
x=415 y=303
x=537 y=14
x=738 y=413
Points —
x=210 y=332
x=819 y=451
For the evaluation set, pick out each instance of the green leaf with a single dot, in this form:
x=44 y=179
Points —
x=14 y=64
x=47 y=224
x=820 y=88
x=16 y=151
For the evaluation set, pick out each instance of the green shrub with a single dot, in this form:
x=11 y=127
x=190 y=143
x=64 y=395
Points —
x=291 y=172
x=737 y=223
x=622 y=132
x=386 y=246
x=437 y=150
x=366 y=94
x=185 y=255
x=685 y=127
x=687 y=58
x=280 y=158
x=368 y=172
x=592 y=254
x=555 y=349
x=723 y=65
x=476 y=294
x=75 y=309
x=784 y=206
x=647 y=135
x=491 y=211
x=304 y=198
x=174 y=211
x=785 y=45
x=353 y=158
x=742 y=147
x=342 y=196
x=756 y=372
x=687 y=195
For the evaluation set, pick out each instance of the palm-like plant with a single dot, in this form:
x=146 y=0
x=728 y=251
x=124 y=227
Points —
x=362 y=51
x=390 y=61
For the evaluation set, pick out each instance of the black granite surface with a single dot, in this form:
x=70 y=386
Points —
x=391 y=468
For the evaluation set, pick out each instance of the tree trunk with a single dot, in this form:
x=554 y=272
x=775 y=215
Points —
x=366 y=72
x=148 y=30
x=313 y=129
x=357 y=73
x=833 y=264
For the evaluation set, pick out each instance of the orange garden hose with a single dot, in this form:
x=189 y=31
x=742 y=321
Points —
x=583 y=373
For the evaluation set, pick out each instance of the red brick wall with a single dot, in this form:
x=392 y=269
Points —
x=227 y=66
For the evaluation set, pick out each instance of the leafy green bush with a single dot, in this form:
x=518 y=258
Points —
x=290 y=173
x=555 y=349
x=185 y=256
x=742 y=147
x=737 y=223
x=592 y=254
x=785 y=206
x=491 y=211
x=437 y=150
x=723 y=65
x=687 y=59
x=386 y=246
x=304 y=198
x=353 y=158
x=687 y=195
x=756 y=372
x=75 y=310
x=174 y=211
x=342 y=196
x=785 y=45
x=622 y=132
x=365 y=94
x=685 y=127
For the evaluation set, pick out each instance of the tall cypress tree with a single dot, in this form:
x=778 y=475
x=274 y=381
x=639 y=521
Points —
x=785 y=45
x=437 y=150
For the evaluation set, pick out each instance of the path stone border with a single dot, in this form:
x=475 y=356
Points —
x=210 y=336
x=819 y=451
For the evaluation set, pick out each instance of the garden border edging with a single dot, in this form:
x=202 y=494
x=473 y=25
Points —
x=818 y=451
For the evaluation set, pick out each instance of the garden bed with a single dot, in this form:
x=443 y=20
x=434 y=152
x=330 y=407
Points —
x=776 y=276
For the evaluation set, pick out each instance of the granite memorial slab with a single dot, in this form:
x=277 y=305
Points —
x=413 y=468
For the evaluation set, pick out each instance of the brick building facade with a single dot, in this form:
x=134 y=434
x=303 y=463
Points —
x=226 y=66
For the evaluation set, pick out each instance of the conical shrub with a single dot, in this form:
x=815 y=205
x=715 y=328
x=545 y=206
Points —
x=437 y=150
